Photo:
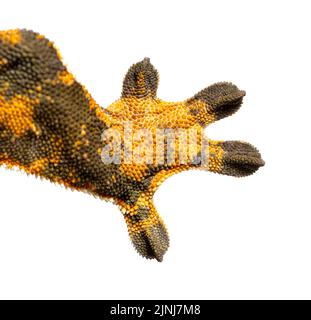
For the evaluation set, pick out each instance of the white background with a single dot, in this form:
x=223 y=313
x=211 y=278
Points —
x=230 y=238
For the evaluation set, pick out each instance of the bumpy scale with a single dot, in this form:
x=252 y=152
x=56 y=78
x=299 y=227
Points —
x=51 y=127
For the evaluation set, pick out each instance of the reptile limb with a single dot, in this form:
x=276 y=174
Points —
x=51 y=127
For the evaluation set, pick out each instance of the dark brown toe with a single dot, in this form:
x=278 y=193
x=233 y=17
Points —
x=240 y=159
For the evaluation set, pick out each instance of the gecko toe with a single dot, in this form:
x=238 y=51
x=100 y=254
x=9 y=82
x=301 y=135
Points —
x=151 y=243
x=240 y=158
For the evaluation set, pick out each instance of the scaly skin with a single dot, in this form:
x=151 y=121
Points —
x=51 y=127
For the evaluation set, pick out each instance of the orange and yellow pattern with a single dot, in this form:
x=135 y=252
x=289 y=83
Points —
x=51 y=127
